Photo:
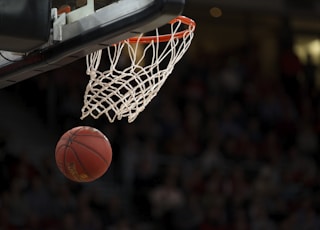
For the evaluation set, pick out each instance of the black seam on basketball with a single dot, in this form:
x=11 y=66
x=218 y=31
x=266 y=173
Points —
x=90 y=135
x=66 y=146
x=91 y=149
x=60 y=146
x=98 y=134
x=60 y=163
x=64 y=138
x=73 y=134
x=64 y=159
x=82 y=166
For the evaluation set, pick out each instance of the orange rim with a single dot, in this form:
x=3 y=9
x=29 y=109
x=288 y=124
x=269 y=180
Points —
x=166 y=37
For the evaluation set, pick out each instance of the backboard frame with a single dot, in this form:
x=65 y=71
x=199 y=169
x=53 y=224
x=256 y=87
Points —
x=102 y=28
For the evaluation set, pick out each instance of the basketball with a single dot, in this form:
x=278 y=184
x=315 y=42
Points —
x=83 y=154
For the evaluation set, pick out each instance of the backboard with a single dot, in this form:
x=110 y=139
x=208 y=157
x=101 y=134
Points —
x=84 y=30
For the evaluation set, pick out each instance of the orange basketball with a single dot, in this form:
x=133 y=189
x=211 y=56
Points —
x=83 y=154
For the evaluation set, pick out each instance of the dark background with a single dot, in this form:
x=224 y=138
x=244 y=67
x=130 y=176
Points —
x=231 y=142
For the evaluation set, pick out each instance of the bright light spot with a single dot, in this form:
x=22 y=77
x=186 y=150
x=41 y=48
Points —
x=314 y=47
x=308 y=47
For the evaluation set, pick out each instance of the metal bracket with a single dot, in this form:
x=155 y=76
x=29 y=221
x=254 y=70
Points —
x=59 y=21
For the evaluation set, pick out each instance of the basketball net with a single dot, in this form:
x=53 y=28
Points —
x=123 y=91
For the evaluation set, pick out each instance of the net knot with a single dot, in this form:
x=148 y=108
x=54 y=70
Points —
x=91 y=72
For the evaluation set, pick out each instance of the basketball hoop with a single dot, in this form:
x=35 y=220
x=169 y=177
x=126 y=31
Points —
x=125 y=90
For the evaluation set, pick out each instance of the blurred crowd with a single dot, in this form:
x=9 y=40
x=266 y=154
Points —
x=222 y=147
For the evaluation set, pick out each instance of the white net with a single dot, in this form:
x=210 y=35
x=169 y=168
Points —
x=124 y=91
